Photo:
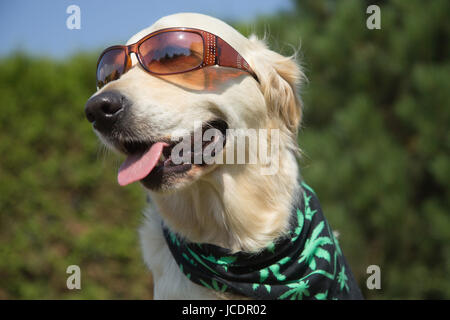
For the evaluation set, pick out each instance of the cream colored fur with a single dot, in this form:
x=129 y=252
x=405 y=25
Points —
x=229 y=205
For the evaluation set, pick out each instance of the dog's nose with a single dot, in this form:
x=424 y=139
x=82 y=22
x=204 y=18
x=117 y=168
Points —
x=105 y=109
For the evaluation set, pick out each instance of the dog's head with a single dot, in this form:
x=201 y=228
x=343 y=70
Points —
x=144 y=115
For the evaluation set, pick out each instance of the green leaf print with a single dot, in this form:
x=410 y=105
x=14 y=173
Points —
x=263 y=274
x=342 y=279
x=191 y=261
x=271 y=247
x=312 y=247
x=275 y=269
x=223 y=261
x=297 y=291
x=336 y=244
x=308 y=187
x=174 y=238
x=199 y=260
x=267 y=286
x=298 y=229
x=308 y=212
x=322 y=253
x=321 y=296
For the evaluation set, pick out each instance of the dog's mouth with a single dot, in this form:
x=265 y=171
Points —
x=150 y=161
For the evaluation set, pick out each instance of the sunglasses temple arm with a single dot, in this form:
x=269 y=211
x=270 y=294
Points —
x=227 y=56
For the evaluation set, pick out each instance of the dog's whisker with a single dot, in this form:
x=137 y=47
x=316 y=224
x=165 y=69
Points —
x=102 y=152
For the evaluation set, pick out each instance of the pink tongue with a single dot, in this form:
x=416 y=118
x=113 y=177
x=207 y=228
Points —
x=138 y=166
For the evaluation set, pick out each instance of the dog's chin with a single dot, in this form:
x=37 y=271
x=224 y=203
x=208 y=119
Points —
x=166 y=181
x=167 y=176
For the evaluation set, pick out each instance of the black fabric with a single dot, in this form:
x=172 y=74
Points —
x=307 y=264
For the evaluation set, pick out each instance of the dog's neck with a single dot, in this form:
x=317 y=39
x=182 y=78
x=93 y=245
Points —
x=234 y=206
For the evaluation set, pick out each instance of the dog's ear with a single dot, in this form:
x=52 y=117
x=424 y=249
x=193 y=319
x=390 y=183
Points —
x=280 y=78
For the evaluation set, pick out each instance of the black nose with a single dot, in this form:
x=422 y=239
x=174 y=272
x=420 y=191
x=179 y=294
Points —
x=105 y=109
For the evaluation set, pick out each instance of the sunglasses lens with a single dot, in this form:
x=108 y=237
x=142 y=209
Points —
x=111 y=66
x=172 y=52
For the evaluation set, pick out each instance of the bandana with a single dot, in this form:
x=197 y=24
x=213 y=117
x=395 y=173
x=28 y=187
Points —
x=306 y=264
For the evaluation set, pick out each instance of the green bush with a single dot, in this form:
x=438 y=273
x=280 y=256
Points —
x=60 y=203
x=375 y=140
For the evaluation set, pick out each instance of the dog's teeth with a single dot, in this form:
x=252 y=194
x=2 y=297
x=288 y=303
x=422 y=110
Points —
x=162 y=158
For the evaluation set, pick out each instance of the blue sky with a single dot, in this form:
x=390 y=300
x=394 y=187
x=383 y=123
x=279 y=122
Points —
x=39 y=27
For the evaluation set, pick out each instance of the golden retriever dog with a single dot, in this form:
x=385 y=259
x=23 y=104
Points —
x=237 y=212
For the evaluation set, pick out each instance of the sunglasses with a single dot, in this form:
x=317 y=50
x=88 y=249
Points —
x=170 y=51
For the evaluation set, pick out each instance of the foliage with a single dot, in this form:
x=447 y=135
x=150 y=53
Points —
x=59 y=201
x=375 y=140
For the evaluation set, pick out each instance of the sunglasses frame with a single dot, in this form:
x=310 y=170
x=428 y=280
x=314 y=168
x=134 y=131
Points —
x=215 y=52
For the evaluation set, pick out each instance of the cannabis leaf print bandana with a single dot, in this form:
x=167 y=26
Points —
x=307 y=264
